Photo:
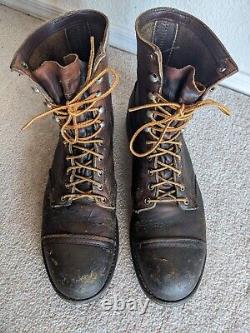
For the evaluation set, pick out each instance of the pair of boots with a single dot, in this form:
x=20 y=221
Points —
x=179 y=61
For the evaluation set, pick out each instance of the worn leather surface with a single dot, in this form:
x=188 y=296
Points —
x=80 y=239
x=61 y=81
x=168 y=240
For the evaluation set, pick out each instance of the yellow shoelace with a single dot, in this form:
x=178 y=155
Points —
x=70 y=126
x=165 y=128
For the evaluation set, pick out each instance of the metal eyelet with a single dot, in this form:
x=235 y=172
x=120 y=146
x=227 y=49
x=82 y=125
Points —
x=150 y=187
x=102 y=125
x=147 y=201
x=151 y=96
x=98 y=81
x=35 y=89
x=212 y=89
x=101 y=109
x=100 y=158
x=150 y=172
x=186 y=202
x=24 y=65
x=182 y=188
x=150 y=115
x=222 y=69
x=103 y=200
x=153 y=77
x=98 y=93
x=100 y=187
x=100 y=173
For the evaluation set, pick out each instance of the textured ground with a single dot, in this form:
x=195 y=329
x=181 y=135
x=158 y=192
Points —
x=220 y=154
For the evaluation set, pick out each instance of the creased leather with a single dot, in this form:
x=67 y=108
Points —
x=54 y=57
x=186 y=59
x=180 y=85
x=61 y=82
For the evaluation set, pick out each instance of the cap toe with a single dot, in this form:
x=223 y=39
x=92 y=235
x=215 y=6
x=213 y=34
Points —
x=78 y=269
x=170 y=270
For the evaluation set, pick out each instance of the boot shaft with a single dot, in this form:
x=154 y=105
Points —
x=169 y=38
x=64 y=35
x=179 y=60
x=61 y=58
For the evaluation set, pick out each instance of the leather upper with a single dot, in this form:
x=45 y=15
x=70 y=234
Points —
x=156 y=29
x=79 y=238
x=180 y=58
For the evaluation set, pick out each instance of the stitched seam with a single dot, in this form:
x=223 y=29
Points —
x=105 y=246
x=153 y=32
x=173 y=245
x=190 y=19
x=173 y=44
x=80 y=237
x=173 y=240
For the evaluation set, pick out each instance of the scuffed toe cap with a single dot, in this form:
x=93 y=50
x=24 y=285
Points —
x=170 y=269
x=78 y=268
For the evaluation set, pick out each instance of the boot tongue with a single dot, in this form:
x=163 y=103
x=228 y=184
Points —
x=180 y=86
x=61 y=81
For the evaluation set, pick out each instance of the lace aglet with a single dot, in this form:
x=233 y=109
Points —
x=25 y=126
x=227 y=112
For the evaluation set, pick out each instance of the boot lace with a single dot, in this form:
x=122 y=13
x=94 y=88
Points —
x=168 y=121
x=70 y=126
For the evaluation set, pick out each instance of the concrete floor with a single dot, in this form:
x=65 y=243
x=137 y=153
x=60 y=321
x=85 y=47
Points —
x=220 y=153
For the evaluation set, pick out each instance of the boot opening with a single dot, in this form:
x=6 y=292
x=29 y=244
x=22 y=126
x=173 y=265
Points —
x=68 y=34
x=182 y=41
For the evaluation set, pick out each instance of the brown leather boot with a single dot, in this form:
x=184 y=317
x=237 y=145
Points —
x=179 y=60
x=66 y=59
